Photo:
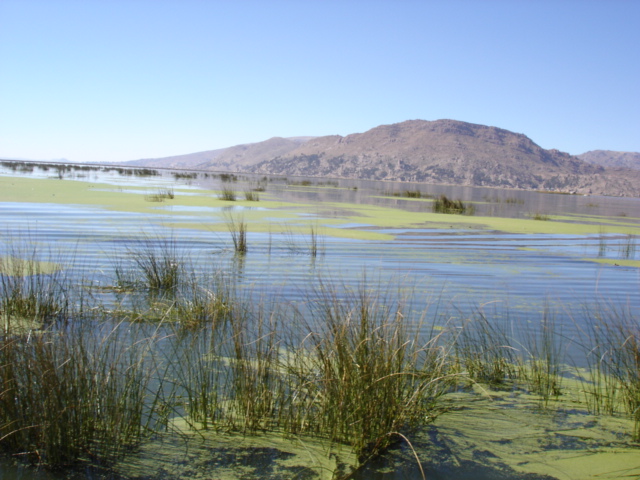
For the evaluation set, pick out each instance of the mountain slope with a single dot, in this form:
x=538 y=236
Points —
x=442 y=151
x=437 y=152
x=228 y=159
x=611 y=159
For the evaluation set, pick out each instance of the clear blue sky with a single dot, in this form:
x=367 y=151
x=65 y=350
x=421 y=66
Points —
x=116 y=80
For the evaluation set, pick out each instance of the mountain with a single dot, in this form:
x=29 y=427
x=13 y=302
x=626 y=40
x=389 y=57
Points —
x=228 y=159
x=611 y=159
x=437 y=152
x=442 y=151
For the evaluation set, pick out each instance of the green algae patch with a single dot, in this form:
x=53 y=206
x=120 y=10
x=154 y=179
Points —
x=615 y=262
x=188 y=453
x=13 y=325
x=128 y=199
x=262 y=215
x=14 y=266
x=511 y=430
x=386 y=217
x=288 y=225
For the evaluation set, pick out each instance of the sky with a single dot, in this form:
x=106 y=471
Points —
x=118 y=80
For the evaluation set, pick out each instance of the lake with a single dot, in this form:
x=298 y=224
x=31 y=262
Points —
x=514 y=258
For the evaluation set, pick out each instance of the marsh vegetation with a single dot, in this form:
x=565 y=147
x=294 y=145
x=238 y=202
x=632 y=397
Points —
x=95 y=380
x=146 y=341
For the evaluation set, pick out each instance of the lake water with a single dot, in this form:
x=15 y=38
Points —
x=499 y=260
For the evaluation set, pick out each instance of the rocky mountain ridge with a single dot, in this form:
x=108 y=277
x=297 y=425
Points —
x=612 y=159
x=438 y=152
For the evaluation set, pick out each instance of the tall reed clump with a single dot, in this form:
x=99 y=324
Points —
x=315 y=244
x=251 y=196
x=156 y=265
x=543 y=369
x=229 y=370
x=238 y=230
x=161 y=195
x=73 y=394
x=614 y=364
x=228 y=195
x=348 y=372
x=484 y=351
x=31 y=290
x=444 y=204
x=361 y=379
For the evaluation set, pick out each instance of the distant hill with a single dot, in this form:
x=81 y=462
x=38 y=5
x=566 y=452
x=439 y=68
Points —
x=611 y=159
x=437 y=152
x=234 y=159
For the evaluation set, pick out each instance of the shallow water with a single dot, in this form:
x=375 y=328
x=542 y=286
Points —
x=451 y=269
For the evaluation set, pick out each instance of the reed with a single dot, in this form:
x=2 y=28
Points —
x=614 y=349
x=161 y=195
x=74 y=394
x=251 y=196
x=484 y=350
x=444 y=204
x=227 y=195
x=627 y=249
x=156 y=264
x=543 y=371
x=350 y=366
x=32 y=289
x=238 y=230
x=362 y=377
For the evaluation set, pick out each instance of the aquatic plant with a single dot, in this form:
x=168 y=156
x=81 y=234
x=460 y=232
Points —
x=627 y=249
x=228 y=195
x=363 y=378
x=185 y=175
x=614 y=366
x=541 y=217
x=228 y=177
x=314 y=246
x=484 y=350
x=74 y=394
x=251 y=196
x=415 y=194
x=32 y=290
x=161 y=195
x=443 y=204
x=238 y=230
x=542 y=370
x=156 y=264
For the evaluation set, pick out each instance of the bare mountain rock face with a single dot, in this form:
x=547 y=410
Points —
x=437 y=152
x=611 y=159
x=445 y=151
